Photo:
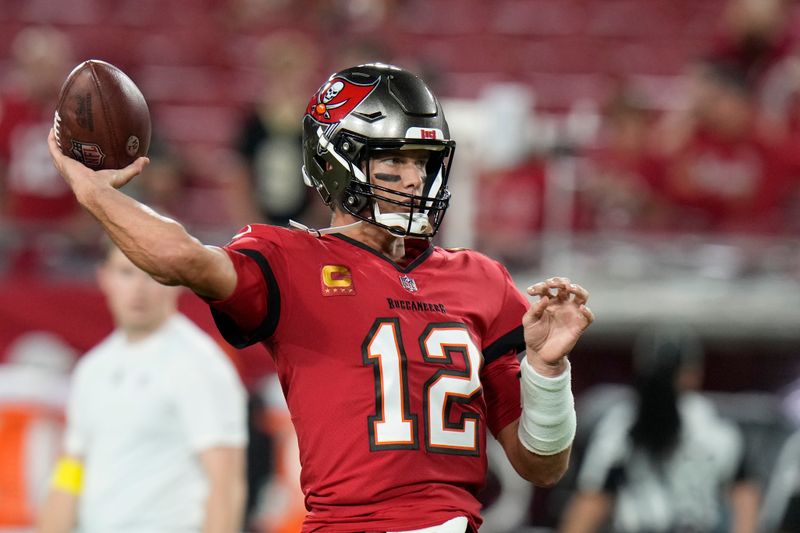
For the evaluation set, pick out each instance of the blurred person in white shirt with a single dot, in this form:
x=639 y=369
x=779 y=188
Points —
x=155 y=425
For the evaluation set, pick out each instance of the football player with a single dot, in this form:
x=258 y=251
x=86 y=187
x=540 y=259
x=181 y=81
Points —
x=396 y=356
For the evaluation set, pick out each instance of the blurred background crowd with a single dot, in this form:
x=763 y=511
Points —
x=648 y=148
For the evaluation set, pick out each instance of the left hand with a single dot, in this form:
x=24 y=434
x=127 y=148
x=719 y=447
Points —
x=554 y=324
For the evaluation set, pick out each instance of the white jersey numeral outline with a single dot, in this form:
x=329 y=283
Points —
x=394 y=426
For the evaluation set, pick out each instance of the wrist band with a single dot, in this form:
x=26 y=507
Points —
x=548 y=423
x=68 y=476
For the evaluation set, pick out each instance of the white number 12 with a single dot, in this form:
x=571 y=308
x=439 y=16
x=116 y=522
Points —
x=394 y=426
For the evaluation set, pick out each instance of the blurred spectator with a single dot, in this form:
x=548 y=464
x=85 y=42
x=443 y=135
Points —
x=720 y=173
x=616 y=188
x=665 y=462
x=510 y=211
x=33 y=395
x=510 y=174
x=156 y=422
x=268 y=186
x=163 y=184
x=34 y=191
x=34 y=199
x=194 y=186
x=184 y=184
x=753 y=37
x=780 y=103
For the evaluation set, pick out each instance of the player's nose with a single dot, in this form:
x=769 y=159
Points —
x=412 y=178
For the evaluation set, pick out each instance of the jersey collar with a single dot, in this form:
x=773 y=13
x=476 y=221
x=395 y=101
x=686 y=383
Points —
x=420 y=248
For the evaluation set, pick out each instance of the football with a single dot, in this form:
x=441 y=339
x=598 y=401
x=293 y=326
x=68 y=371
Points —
x=102 y=119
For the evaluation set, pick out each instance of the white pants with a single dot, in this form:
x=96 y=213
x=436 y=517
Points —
x=455 y=525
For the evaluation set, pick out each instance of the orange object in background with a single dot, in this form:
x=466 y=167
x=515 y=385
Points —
x=21 y=429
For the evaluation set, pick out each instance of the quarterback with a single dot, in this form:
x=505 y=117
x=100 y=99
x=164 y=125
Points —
x=396 y=356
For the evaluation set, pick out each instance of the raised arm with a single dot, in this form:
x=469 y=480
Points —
x=158 y=245
x=539 y=444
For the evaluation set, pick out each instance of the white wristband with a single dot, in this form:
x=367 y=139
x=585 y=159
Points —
x=547 y=425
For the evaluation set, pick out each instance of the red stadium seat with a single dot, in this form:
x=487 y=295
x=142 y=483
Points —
x=538 y=17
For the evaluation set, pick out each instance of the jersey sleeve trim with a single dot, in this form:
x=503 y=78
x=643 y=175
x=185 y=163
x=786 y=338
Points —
x=513 y=340
x=227 y=326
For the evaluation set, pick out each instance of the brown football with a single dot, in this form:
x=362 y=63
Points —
x=102 y=119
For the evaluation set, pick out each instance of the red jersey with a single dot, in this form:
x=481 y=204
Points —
x=34 y=190
x=392 y=373
x=729 y=185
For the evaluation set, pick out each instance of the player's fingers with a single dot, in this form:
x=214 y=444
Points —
x=587 y=313
x=64 y=165
x=536 y=310
x=581 y=294
x=548 y=287
x=561 y=286
x=124 y=175
x=540 y=306
x=52 y=144
x=138 y=166
x=539 y=289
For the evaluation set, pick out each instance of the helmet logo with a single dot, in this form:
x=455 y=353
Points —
x=424 y=133
x=332 y=92
x=336 y=99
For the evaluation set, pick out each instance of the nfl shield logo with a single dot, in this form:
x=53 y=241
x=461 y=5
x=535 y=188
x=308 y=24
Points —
x=408 y=283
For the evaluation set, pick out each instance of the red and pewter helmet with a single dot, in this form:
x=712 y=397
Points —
x=357 y=113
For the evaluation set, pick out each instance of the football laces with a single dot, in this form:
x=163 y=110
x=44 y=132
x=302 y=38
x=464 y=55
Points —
x=57 y=128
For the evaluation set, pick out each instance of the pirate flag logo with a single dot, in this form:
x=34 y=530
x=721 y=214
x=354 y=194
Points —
x=336 y=99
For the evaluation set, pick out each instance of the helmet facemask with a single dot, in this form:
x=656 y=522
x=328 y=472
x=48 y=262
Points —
x=420 y=213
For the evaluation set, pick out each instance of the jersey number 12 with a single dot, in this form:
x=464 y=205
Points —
x=394 y=426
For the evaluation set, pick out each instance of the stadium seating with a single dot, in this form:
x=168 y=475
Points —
x=189 y=53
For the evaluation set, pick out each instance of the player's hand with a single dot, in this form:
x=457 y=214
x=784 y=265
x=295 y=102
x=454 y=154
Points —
x=553 y=325
x=78 y=176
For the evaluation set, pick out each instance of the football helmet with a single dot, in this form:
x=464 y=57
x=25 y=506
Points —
x=359 y=112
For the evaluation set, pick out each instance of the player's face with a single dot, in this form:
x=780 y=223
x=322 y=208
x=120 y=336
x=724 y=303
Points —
x=398 y=170
x=138 y=303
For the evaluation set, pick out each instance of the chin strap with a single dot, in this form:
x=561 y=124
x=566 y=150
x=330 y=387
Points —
x=323 y=231
x=418 y=223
